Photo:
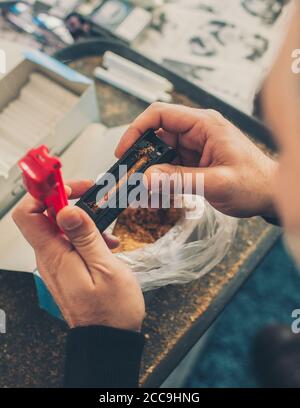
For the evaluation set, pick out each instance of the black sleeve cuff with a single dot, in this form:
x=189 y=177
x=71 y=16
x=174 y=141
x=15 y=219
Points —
x=103 y=357
x=274 y=221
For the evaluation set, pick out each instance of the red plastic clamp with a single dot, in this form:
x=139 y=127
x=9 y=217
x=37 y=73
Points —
x=43 y=179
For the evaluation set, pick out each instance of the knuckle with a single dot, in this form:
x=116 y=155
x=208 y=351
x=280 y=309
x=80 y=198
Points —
x=157 y=106
x=17 y=213
x=179 y=171
x=214 y=114
x=227 y=182
x=14 y=214
x=87 y=239
x=131 y=129
x=179 y=180
x=200 y=126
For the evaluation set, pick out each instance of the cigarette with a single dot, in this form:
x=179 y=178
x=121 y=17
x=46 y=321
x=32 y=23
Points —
x=13 y=134
x=116 y=63
x=10 y=153
x=144 y=159
x=52 y=99
x=132 y=88
x=38 y=107
x=37 y=101
x=34 y=127
x=17 y=110
x=49 y=87
x=20 y=106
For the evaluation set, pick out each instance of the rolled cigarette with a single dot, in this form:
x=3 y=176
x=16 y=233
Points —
x=4 y=169
x=31 y=117
x=31 y=128
x=15 y=136
x=131 y=88
x=152 y=80
x=35 y=100
x=10 y=154
x=39 y=108
x=45 y=95
x=55 y=104
x=53 y=89
x=10 y=123
x=29 y=113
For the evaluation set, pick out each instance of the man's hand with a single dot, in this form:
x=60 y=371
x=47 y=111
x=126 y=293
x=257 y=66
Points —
x=237 y=174
x=90 y=285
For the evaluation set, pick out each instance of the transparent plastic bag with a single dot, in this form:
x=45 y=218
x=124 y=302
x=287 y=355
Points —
x=197 y=243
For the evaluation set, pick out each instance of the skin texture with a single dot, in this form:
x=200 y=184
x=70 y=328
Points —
x=236 y=173
x=90 y=285
x=281 y=101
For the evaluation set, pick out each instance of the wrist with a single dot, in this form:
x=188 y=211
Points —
x=268 y=208
x=135 y=327
x=269 y=212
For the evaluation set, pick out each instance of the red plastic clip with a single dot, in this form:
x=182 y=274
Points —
x=43 y=179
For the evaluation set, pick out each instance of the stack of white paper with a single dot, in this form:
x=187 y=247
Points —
x=41 y=104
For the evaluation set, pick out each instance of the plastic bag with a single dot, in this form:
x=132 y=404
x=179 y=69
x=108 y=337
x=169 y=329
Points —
x=189 y=250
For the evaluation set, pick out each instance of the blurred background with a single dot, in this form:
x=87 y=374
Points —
x=225 y=48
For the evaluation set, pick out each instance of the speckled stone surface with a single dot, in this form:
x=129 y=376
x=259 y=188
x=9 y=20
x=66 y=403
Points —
x=32 y=350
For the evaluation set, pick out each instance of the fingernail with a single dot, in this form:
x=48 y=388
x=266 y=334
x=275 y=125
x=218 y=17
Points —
x=151 y=173
x=72 y=220
x=111 y=236
x=155 y=170
x=68 y=190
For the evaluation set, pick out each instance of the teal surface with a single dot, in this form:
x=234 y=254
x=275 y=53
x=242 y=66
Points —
x=46 y=300
x=270 y=295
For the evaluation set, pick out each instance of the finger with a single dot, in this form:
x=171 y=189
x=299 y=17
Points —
x=75 y=189
x=83 y=234
x=68 y=190
x=174 y=179
x=167 y=137
x=111 y=240
x=189 y=158
x=35 y=226
x=212 y=182
x=172 y=118
x=33 y=223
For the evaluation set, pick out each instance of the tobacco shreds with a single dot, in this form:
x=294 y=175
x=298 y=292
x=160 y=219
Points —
x=137 y=227
x=142 y=159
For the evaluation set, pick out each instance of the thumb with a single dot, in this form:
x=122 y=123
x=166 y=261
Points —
x=83 y=234
x=175 y=179
x=211 y=182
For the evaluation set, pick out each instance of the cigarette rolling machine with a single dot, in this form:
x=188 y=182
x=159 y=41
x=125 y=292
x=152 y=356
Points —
x=146 y=152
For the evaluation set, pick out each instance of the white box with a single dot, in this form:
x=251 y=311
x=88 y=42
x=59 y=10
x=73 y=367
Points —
x=79 y=141
x=85 y=146
x=66 y=131
x=91 y=154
